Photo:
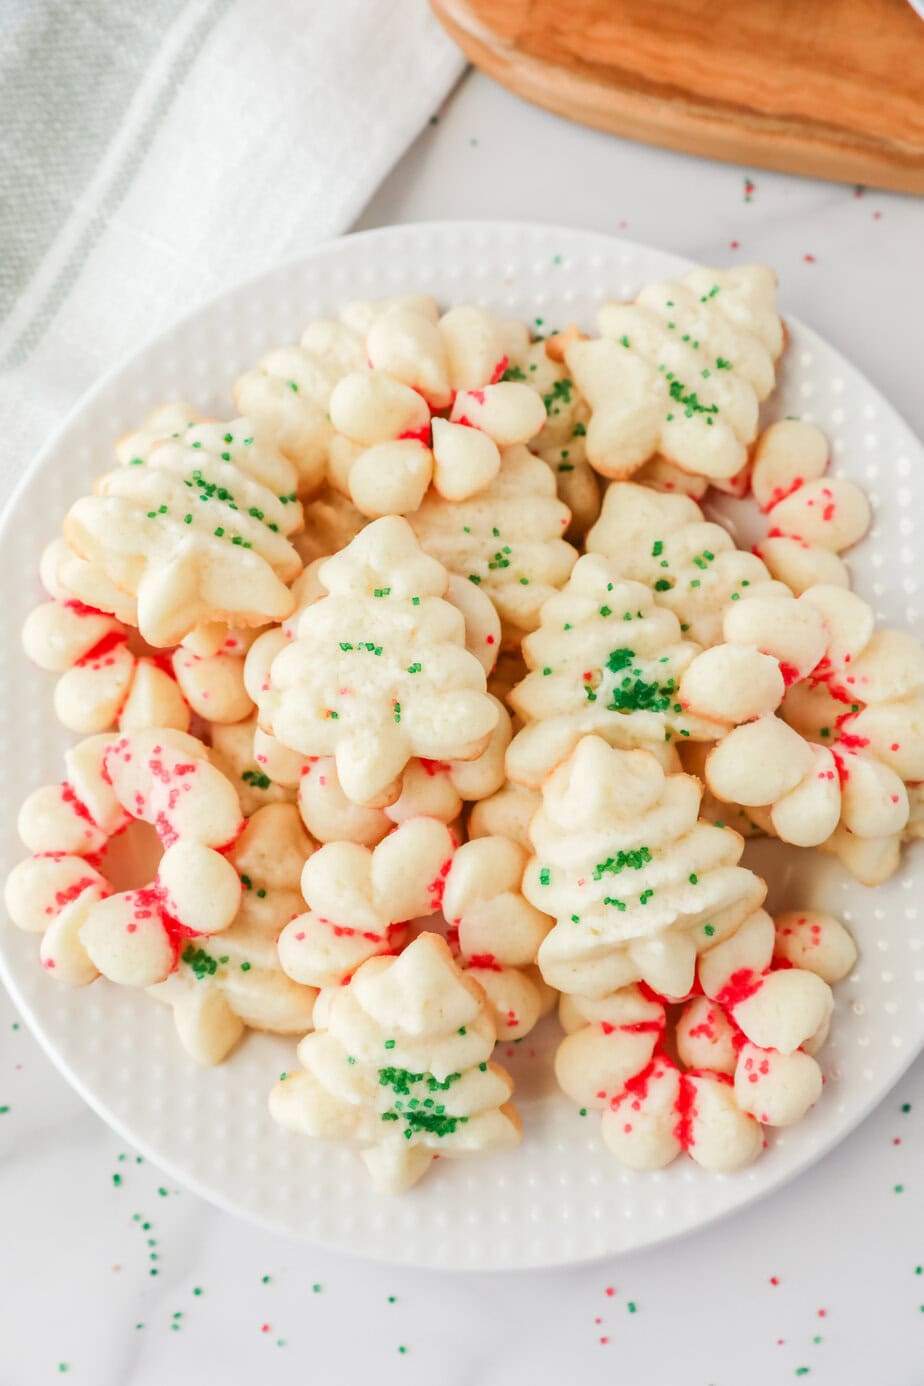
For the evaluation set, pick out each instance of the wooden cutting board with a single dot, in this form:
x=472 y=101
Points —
x=830 y=88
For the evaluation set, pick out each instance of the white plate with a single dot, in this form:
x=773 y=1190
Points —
x=559 y=1198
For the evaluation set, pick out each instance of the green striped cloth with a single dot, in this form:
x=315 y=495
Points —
x=154 y=152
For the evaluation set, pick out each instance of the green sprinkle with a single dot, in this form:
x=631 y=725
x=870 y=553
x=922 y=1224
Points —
x=117 y=1179
x=693 y=878
x=575 y=919
x=266 y=1280
x=292 y=386
x=624 y=341
x=631 y=1306
x=632 y=860
x=473 y=577
x=201 y=962
x=461 y=1030
x=582 y=1111
x=579 y=430
x=662 y=585
x=524 y=582
x=906 y=1106
x=657 y=548
x=316 y=1289
x=197 y=1289
x=389 y=1044
x=605 y=611
x=899 y=1188
x=414 y=668
x=545 y=875
x=257 y=778
x=513 y=373
x=721 y=364
x=614 y=903
x=709 y=930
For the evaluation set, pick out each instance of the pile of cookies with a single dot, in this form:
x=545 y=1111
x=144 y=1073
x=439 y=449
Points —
x=441 y=705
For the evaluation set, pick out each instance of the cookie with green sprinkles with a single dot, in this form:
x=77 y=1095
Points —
x=607 y=660
x=507 y=539
x=196 y=535
x=631 y=874
x=377 y=670
x=653 y=381
x=399 y=1066
x=233 y=981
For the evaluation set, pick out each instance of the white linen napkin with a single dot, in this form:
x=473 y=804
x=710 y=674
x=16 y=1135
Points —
x=155 y=152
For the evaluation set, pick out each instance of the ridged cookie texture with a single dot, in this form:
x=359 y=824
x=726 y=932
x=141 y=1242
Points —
x=399 y=1065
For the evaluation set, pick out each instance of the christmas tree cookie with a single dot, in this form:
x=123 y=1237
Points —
x=680 y=372
x=638 y=885
x=378 y=671
x=195 y=534
x=399 y=1066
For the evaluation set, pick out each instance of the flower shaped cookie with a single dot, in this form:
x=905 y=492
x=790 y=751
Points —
x=812 y=517
x=360 y=901
x=134 y=937
x=290 y=390
x=745 y=1046
x=400 y=1066
x=227 y=983
x=497 y=932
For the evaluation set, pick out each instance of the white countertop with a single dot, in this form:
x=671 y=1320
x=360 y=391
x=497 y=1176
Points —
x=822 y=1282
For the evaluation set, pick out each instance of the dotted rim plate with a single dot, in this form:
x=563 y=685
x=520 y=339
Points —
x=561 y=1197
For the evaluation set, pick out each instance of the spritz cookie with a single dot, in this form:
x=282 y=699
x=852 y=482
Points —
x=378 y=671
x=680 y=372
x=399 y=1065
x=134 y=937
x=497 y=932
x=196 y=533
x=227 y=983
x=637 y=883
x=812 y=518
x=507 y=540
x=605 y=660
x=360 y=900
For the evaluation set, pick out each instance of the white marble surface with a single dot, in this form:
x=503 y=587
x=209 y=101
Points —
x=77 y=1297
